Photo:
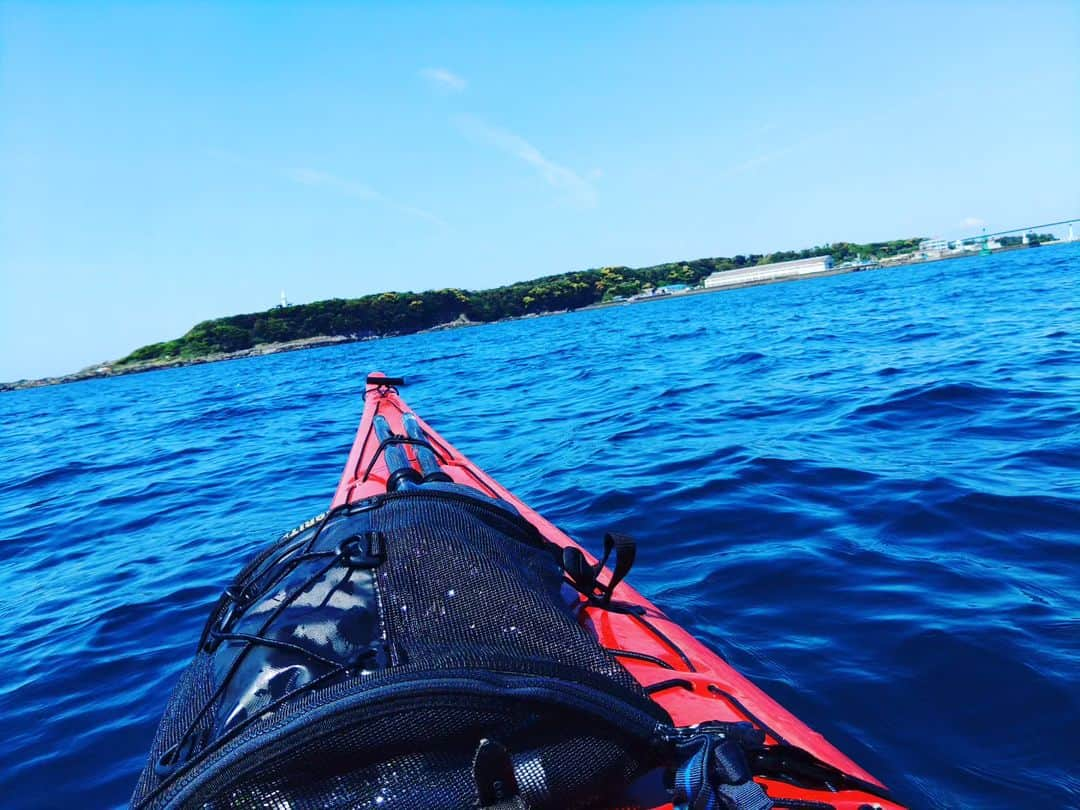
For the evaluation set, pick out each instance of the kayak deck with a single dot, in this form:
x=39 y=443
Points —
x=685 y=677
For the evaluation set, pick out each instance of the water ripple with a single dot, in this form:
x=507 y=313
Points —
x=862 y=490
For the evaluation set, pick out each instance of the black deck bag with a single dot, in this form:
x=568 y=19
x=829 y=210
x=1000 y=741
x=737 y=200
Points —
x=414 y=650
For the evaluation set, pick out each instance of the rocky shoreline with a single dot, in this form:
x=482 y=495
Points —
x=101 y=370
x=112 y=369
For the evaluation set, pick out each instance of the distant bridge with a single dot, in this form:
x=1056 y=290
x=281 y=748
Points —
x=1027 y=229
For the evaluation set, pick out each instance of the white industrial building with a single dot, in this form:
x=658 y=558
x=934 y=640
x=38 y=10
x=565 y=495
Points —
x=769 y=272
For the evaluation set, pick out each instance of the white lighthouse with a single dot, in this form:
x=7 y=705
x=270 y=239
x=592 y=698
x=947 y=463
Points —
x=284 y=301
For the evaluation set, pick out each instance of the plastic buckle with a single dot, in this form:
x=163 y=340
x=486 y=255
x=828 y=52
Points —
x=367 y=551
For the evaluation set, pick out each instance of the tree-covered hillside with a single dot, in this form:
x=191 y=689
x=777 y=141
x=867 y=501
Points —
x=1033 y=239
x=395 y=313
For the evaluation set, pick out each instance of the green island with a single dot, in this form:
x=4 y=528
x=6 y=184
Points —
x=398 y=313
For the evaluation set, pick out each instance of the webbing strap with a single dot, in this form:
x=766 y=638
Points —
x=716 y=776
x=625 y=552
x=496 y=784
x=585 y=577
x=747 y=796
x=581 y=574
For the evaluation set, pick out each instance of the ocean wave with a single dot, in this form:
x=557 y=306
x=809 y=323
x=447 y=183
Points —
x=866 y=500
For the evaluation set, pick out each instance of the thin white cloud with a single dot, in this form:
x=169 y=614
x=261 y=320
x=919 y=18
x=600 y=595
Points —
x=973 y=222
x=320 y=179
x=763 y=158
x=444 y=79
x=556 y=175
x=420 y=213
x=760 y=160
x=783 y=150
x=314 y=177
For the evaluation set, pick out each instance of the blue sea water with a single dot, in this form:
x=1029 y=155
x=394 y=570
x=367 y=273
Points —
x=863 y=490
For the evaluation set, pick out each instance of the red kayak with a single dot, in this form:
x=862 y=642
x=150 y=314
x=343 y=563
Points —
x=432 y=643
x=691 y=682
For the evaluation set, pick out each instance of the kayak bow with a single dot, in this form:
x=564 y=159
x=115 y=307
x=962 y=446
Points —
x=395 y=448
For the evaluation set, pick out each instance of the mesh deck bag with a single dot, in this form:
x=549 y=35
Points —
x=414 y=650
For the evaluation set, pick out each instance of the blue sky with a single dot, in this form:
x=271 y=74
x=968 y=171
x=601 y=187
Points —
x=161 y=164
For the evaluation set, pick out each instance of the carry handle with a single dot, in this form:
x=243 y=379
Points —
x=390 y=381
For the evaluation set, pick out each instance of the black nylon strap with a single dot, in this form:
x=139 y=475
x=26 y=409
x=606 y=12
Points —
x=585 y=577
x=625 y=552
x=578 y=569
x=496 y=784
x=713 y=773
